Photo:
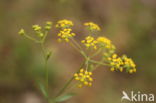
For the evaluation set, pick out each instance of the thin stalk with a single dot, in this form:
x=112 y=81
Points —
x=87 y=63
x=45 y=65
x=95 y=67
x=98 y=62
x=65 y=86
x=84 y=54
x=68 y=82
x=75 y=47
x=72 y=87
x=96 y=53
x=81 y=52
x=47 y=80
x=78 y=45
x=43 y=40
x=43 y=50
x=46 y=76
x=31 y=38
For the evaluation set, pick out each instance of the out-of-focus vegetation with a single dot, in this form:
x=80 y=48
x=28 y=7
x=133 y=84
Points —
x=129 y=24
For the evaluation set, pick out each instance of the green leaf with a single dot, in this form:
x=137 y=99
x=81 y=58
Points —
x=64 y=97
x=43 y=90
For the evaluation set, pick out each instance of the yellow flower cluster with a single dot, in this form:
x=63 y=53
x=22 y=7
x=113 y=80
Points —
x=120 y=63
x=115 y=62
x=48 y=25
x=105 y=42
x=84 y=78
x=90 y=42
x=36 y=27
x=100 y=42
x=37 y=30
x=129 y=63
x=65 y=34
x=92 y=26
x=64 y=24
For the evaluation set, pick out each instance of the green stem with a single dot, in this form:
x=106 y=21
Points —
x=68 y=82
x=84 y=54
x=76 y=43
x=46 y=69
x=65 y=86
x=45 y=65
x=31 y=38
x=46 y=76
x=43 y=39
x=100 y=63
x=75 y=47
x=80 y=48
x=47 y=80
x=72 y=87
x=43 y=51
x=87 y=63
x=96 y=53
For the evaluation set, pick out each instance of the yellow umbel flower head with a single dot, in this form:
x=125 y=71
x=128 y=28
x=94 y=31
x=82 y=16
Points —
x=105 y=42
x=65 y=34
x=90 y=42
x=84 y=78
x=92 y=26
x=121 y=63
x=64 y=24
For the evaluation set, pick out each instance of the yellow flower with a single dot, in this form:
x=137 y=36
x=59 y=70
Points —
x=105 y=42
x=84 y=78
x=134 y=70
x=21 y=32
x=92 y=26
x=130 y=71
x=48 y=25
x=112 y=69
x=65 y=34
x=38 y=31
x=90 y=42
x=64 y=24
x=115 y=62
x=121 y=63
x=121 y=69
x=36 y=27
x=129 y=63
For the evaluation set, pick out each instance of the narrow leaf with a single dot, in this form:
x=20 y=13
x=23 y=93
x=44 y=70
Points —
x=43 y=90
x=64 y=97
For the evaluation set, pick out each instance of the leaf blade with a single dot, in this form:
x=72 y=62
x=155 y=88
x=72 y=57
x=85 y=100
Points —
x=64 y=98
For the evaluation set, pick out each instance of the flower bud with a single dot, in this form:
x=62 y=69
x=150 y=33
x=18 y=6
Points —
x=36 y=27
x=21 y=32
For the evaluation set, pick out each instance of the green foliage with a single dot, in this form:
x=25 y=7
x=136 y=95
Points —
x=64 y=97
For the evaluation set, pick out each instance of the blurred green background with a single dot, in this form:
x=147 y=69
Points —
x=130 y=24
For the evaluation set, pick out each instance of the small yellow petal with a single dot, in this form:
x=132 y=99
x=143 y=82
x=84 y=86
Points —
x=112 y=69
